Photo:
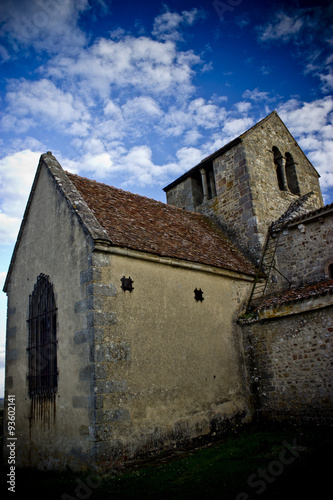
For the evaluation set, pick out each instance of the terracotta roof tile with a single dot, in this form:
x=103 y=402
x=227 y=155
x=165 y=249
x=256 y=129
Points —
x=317 y=212
x=147 y=225
x=306 y=291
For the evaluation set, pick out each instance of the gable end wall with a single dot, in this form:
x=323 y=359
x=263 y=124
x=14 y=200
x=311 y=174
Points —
x=51 y=433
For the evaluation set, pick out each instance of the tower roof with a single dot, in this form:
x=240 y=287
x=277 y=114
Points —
x=226 y=147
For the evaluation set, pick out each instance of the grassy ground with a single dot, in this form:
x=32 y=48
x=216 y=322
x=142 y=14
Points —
x=263 y=463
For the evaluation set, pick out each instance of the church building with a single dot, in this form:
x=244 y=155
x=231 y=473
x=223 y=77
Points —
x=134 y=326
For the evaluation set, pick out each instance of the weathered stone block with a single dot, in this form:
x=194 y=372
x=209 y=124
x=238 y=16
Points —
x=112 y=352
x=100 y=371
x=86 y=335
x=109 y=386
x=99 y=318
x=84 y=430
x=102 y=290
x=11 y=355
x=11 y=332
x=87 y=373
x=114 y=415
x=91 y=274
x=100 y=259
x=9 y=383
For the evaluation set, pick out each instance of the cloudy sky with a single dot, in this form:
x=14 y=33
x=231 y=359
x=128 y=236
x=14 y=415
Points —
x=135 y=93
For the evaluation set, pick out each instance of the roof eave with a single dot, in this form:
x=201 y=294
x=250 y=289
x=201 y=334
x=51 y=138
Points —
x=231 y=144
x=204 y=162
x=174 y=261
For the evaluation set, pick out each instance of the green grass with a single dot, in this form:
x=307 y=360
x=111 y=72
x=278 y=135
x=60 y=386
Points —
x=220 y=470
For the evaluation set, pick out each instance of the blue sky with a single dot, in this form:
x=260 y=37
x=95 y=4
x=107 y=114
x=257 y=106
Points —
x=135 y=93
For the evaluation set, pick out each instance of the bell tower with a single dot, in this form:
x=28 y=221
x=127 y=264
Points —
x=249 y=183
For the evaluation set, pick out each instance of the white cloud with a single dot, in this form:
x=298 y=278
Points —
x=327 y=79
x=188 y=158
x=255 y=95
x=111 y=130
x=45 y=25
x=139 y=108
x=4 y=54
x=93 y=146
x=167 y=25
x=134 y=167
x=17 y=172
x=28 y=142
x=192 y=136
x=283 y=28
x=9 y=228
x=16 y=176
x=143 y=64
x=100 y=163
x=310 y=31
x=112 y=109
x=194 y=115
x=9 y=122
x=35 y=102
x=320 y=158
x=235 y=127
x=312 y=125
x=266 y=70
x=243 y=106
x=307 y=117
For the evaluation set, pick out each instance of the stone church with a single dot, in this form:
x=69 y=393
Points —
x=135 y=325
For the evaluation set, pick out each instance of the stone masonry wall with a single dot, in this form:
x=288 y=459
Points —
x=305 y=249
x=182 y=195
x=290 y=366
x=269 y=201
x=248 y=195
x=233 y=205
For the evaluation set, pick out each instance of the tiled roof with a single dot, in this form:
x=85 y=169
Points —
x=326 y=209
x=295 y=211
x=147 y=225
x=307 y=291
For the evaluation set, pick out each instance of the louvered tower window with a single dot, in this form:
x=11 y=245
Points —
x=42 y=342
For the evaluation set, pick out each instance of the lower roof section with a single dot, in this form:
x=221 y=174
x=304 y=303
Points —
x=146 y=225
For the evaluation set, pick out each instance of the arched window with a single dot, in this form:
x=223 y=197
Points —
x=42 y=342
x=280 y=171
x=291 y=175
x=330 y=271
x=208 y=183
x=203 y=185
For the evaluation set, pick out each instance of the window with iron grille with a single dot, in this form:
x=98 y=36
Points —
x=42 y=341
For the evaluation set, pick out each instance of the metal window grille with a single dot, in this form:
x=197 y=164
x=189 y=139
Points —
x=42 y=341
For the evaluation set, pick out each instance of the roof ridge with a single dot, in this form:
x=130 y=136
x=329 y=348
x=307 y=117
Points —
x=130 y=193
